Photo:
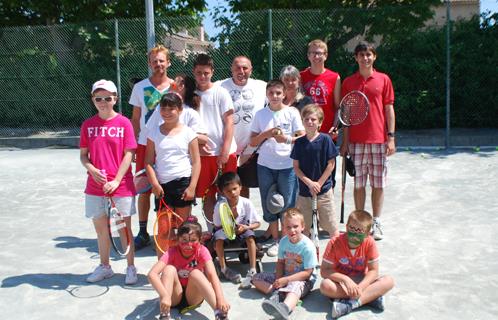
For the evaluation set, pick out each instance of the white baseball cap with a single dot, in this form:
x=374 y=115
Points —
x=106 y=85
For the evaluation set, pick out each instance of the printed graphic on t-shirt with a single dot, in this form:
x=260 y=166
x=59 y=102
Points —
x=293 y=262
x=151 y=99
x=243 y=105
x=318 y=90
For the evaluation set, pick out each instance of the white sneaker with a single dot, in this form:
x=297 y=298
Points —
x=377 y=231
x=273 y=249
x=246 y=283
x=100 y=273
x=131 y=275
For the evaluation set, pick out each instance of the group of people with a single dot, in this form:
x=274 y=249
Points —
x=186 y=126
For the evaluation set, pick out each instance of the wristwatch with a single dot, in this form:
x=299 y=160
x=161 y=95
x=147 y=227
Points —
x=391 y=134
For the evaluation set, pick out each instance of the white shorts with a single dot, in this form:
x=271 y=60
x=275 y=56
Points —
x=95 y=206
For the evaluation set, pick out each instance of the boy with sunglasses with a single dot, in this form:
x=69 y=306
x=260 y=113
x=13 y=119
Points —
x=350 y=268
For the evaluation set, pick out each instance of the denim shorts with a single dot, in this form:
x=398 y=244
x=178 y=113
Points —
x=287 y=186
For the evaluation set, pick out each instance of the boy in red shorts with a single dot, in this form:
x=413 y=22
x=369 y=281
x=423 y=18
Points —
x=216 y=111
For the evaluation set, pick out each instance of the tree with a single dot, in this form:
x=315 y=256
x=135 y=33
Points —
x=49 y=12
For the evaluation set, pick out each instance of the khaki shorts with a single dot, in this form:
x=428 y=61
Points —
x=95 y=206
x=326 y=211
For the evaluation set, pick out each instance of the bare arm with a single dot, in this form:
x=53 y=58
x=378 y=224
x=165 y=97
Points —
x=150 y=157
x=111 y=186
x=135 y=120
x=195 y=158
x=227 y=137
x=337 y=102
x=97 y=176
x=391 y=127
x=154 y=277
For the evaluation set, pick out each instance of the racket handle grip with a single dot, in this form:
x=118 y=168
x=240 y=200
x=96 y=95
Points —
x=342 y=214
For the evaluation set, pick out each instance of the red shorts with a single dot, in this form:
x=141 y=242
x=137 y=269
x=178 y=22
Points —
x=209 y=171
x=140 y=157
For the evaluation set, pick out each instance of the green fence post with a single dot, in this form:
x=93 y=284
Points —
x=270 y=47
x=448 y=73
x=118 y=64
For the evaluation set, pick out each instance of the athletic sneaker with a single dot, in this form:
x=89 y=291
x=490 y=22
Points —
x=165 y=316
x=377 y=231
x=341 y=307
x=278 y=310
x=131 y=275
x=231 y=275
x=246 y=283
x=377 y=303
x=273 y=249
x=142 y=240
x=100 y=273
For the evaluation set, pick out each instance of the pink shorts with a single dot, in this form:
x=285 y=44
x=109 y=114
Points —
x=370 y=162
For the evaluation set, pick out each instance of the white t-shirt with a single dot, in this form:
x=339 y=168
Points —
x=246 y=213
x=188 y=117
x=172 y=154
x=145 y=96
x=247 y=100
x=272 y=154
x=215 y=101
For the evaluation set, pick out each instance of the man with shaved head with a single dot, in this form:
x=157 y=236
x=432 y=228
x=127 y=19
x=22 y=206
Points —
x=248 y=96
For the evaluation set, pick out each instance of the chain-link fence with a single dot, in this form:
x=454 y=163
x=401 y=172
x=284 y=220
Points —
x=46 y=72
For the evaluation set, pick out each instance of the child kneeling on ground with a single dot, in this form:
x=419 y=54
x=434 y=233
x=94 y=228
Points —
x=294 y=276
x=350 y=268
x=246 y=220
x=185 y=275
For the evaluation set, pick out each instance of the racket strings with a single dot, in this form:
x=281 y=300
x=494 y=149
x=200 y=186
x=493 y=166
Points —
x=353 y=109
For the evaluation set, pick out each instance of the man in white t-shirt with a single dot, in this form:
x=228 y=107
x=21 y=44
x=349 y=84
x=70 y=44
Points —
x=248 y=96
x=145 y=95
x=216 y=111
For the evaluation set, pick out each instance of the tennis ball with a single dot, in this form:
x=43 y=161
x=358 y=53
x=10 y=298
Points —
x=408 y=149
x=477 y=149
x=439 y=148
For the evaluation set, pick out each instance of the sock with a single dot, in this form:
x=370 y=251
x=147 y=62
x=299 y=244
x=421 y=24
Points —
x=223 y=270
x=143 y=227
x=355 y=303
x=253 y=270
x=376 y=219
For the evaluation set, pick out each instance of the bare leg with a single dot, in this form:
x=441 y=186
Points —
x=262 y=286
x=143 y=204
x=273 y=227
x=130 y=257
x=173 y=288
x=291 y=300
x=377 y=201
x=359 y=198
x=251 y=251
x=103 y=240
x=244 y=192
x=199 y=288
x=376 y=289
x=208 y=206
x=220 y=252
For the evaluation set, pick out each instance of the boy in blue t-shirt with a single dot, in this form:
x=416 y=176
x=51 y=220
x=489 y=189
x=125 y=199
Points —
x=314 y=160
x=294 y=276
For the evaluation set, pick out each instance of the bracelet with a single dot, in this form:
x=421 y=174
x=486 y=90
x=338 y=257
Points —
x=289 y=140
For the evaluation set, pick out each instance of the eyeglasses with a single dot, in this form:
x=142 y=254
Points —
x=99 y=99
x=317 y=53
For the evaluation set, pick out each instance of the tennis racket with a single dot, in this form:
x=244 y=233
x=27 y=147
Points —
x=353 y=108
x=206 y=193
x=118 y=232
x=343 y=186
x=165 y=227
x=314 y=226
x=227 y=220
x=141 y=181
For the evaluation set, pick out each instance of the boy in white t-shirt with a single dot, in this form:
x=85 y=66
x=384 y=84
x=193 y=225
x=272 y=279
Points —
x=276 y=128
x=216 y=111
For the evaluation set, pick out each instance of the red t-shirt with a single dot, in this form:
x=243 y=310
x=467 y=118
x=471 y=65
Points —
x=185 y=265
x=379 y=90
x=107 y=141
x=321 y=89
x=340 y=256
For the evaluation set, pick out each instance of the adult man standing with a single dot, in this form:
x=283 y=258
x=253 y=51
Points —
x=248 y=96
x=145 y=95
x=323 y=86
x=372 y=141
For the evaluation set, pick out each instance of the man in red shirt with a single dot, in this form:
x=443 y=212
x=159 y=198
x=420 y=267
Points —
x=372 y=141
x=323 y=86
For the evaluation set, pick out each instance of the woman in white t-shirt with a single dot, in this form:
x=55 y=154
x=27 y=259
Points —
x=174 y=150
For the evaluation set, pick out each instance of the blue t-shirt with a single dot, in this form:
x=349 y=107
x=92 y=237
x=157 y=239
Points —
x=313 y=157
x=297 y=256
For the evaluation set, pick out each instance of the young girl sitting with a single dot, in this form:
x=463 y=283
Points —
x=185 y=275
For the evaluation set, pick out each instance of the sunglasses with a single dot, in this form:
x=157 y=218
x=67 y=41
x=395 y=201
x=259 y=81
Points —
x=99 y=99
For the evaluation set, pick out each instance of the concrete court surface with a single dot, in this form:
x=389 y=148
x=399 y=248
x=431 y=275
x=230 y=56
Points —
x=440 y=220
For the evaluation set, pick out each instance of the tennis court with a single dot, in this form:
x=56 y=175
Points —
x=440 y=221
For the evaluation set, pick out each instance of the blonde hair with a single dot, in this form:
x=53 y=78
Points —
x=313 y=108
x=294 y=213
x=159 y=48
x=318 y=43
x=363 y=218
